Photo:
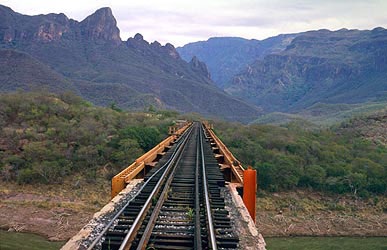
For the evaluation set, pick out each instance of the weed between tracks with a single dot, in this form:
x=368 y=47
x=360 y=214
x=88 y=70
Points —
x=190 y=213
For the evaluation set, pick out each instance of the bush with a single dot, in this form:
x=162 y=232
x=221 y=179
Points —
x=27 y=176
x=287 y=158
x=314 y=176
x=48 y=137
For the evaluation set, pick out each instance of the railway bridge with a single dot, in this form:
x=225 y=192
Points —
x=188 y=192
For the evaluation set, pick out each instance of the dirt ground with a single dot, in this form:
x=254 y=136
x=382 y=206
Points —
x=54 y=211
x=59 y=211
x=305 y=213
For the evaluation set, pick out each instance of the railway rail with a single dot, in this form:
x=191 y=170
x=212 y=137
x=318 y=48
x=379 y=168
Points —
x=180 y=205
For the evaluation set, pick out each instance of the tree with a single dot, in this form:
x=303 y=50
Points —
x=314 y=176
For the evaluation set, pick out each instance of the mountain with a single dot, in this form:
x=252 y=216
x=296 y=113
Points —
x=344 y=66
x=20 y=71
x=227 y=56
x=89 y=58
x=323 y=115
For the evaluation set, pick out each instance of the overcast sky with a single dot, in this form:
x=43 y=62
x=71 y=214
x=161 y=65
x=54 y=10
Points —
x=183 y=21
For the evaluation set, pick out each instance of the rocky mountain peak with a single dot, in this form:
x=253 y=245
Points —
x=200 y=67
x=43 y=28
x=171 y=50
x=59 y=18
x=5 y=9
x=137 y=42
x=156 y=45
x=138 y=37
x=101 y=26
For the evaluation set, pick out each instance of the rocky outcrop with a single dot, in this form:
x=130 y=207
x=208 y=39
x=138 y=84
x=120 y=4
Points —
x=103 y=69
x=101 y=25
x=171 y=51
x=319 y=66
x=200 y=67
x=137 y=42
x=228 y=56
x=16 y=27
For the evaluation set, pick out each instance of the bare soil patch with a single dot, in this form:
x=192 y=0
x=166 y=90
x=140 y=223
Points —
x=55 y=211
x=59 y=211
x=305 y=213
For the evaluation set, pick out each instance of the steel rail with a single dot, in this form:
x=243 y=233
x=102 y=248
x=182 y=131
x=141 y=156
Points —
x=198 y=233
x=152 y=220
x=212 y=237
x=156 y=210
x=137 y=222
x=180 y=141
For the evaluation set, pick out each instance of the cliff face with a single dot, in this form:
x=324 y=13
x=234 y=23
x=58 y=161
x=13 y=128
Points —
x=200 y=67
x=101 y=25
x=15 y=27
x=103 y=69
x=227 y=56
x=318 y=66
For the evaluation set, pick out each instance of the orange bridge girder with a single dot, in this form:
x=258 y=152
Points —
x=120 y=180
x=238 y=173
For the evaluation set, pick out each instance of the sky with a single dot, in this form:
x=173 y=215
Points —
x=182 y=21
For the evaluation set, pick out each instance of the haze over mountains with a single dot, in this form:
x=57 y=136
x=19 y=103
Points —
x=89 y=58
x=244 y=78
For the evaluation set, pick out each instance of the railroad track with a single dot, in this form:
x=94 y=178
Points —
x=179 y=206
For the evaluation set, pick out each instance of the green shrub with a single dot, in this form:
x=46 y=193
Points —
x=27 y=176
x=287 y=158
x=48 y=137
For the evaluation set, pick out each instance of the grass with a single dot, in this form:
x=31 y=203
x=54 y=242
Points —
x=190 y=213
x=24 y=241
x=326 y=243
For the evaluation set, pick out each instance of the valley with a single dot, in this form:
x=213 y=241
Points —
x=306 y=109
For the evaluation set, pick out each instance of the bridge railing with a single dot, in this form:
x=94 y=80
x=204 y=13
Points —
x=246 y=177
x=229 y=159
x=120 y=180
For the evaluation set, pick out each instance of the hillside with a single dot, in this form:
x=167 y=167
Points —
x=103 y=69
x=373 y=127
x=344 y=66
x=58 y=153
x=322 y=114
x=45 y=137
x=350 y=158
x=20 y=71
x=227 y=56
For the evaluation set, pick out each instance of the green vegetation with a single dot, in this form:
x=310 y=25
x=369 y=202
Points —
x=133 y=74
x=190 y=213
x=45 y=137
x=326 y=243
x=322 y=114
x=24 y=241
x=335 y=159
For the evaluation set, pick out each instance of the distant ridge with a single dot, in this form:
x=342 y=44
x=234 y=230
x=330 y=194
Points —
x=89 y=58
x=291 y=72
x=227 y=56
x=344 y=66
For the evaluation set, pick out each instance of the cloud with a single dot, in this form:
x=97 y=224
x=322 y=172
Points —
x=182 y=21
